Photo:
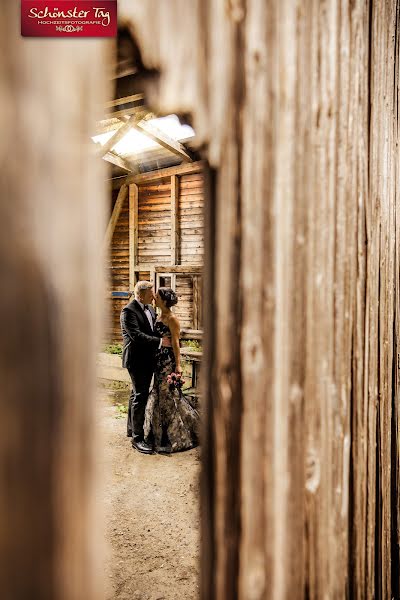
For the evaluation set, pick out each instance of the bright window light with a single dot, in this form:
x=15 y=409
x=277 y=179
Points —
x=135 y=142
x=172 y=127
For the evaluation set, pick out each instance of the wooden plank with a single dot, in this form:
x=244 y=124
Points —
x=191 y=334
x=196 y=199
x=133 y=233
x=152 y=132
x=125 y=112
x=179 y=269
x=152 y=200
x=174 y=220
x=196 y=302
x=192 y=354
x=124 y=100
x=161 y=209
x=154 y=238
x=123 y=193
x=188 y=187
x=116 y=160
x=196 y=167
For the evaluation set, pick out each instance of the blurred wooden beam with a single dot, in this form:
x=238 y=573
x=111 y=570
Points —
x=123 y=112
x=124 y=100
x=118 y=161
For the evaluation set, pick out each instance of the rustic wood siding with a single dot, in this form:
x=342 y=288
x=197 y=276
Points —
x=118 y=264
x=298 y=103
x=184 y=309
x=154 y=242
x=154 y=232
x=191 y=219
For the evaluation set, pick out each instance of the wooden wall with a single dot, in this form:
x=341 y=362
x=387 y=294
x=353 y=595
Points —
x=118 y=268
x=298 y=106
x=154 y=223
x=191 y=219
x=157 y=245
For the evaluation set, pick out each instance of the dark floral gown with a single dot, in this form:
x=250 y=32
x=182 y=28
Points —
x=169 y=416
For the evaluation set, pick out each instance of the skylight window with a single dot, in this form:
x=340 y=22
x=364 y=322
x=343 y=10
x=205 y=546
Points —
x=135 y=142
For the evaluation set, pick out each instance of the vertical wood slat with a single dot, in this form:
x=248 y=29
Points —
x=395 y=486
x=133 y=233
x=118 y=271
x=196 y=302
x=122 y=194
x=153 y=275
x=174 y=219
x=382 y=182
x=173 y=281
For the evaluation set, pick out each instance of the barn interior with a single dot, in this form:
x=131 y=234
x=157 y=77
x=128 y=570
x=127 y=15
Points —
x=156 y=184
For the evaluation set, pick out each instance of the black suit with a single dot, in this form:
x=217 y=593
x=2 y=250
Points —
x=139 y=354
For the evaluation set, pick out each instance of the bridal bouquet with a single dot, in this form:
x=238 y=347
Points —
x=175 y=381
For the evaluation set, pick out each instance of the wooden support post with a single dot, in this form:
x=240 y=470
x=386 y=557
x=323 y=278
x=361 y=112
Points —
x=174 y=219
x=123 y=192
x=196 y=302
x=124 y=100
x=133 y=232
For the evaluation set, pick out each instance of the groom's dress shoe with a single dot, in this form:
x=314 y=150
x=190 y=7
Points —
x=142 y=447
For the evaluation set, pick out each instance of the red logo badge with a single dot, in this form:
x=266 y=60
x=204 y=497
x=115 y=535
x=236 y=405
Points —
x=66 y=18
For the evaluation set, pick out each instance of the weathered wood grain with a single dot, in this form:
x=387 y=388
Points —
x=53 y=219
x=300 y=114
x=133 y=232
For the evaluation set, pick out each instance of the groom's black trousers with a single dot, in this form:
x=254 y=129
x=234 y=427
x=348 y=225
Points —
x=137 y=404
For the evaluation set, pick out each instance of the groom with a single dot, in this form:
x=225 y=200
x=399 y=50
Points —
x=141 y=343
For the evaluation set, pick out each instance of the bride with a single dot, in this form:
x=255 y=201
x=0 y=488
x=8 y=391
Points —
x=170 y=420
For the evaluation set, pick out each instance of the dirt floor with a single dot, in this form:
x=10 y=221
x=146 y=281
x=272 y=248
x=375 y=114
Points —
x=152 y=521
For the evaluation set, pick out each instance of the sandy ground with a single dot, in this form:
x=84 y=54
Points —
x=152 y=521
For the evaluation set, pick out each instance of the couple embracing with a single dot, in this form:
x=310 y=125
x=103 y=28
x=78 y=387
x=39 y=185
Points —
x=160 y=419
